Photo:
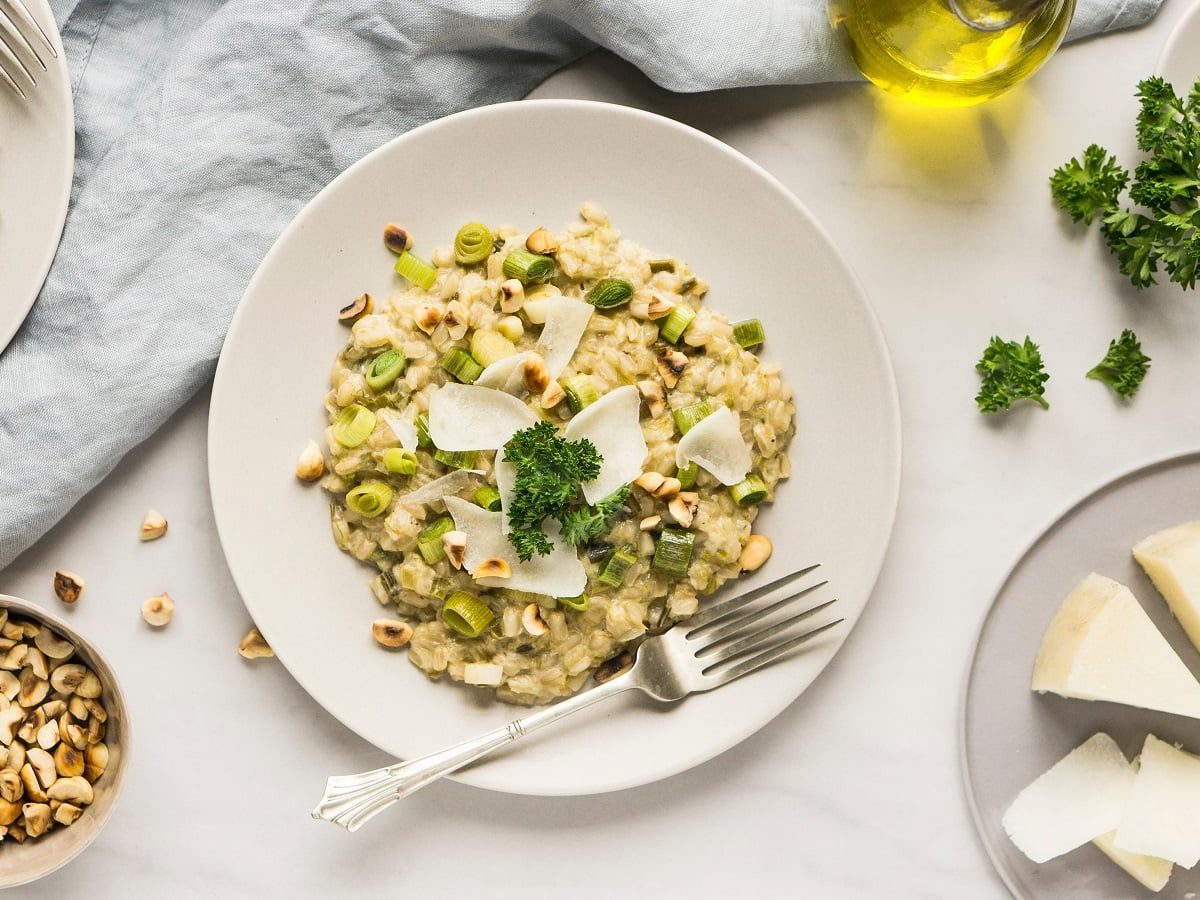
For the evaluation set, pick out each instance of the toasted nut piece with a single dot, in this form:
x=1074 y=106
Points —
x=457 y=320
x=683 y=507
x=52 y=645
x=311 y=464
x=67 y=586
x=158 y=611
x=77 y=707
x=654 y=395
x=76 y=736
x=9 y=684
x=16 y=832
x=47 y=736
x=75 y=789
x=669 y=488
x=391 y=632
x=352 y=312
x=67 y=813
x=16 y=756
x=154 y=526
x=428 y=317
x=98 y=712
x=650 y=481
x=671 y=364
x=493 y=567
x=13 y=630
x=659 y=308
x=756 y=552
x=65 y=723
x=69 y=761
x=94 y=733
x=512 y=296
x=396 y=238
x=33 y=790
x=35 y=660
x=3 y=758
x=95 y=760
x=42 y=764
x=52 y=709
x=535 y=373
x=9 y=813
x=14 y=658
x=649 y=523
x=254 y=646
x=455 y=545
x=65 y=679
x=542 y=241
x=29 y=629
x=553 y=395
x=611 y=668
x=30 y=727
x=37 y=818
x=11 y=788
x=532 y=621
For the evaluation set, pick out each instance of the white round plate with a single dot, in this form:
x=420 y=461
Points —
x=37 y=162
x=1179 y=62
x=666 y=186
x=1010 y=735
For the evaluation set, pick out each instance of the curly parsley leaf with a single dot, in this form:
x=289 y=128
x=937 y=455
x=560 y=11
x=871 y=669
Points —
x=1165 y=232
x=584 y=524
x=1124 y=365
x=1011 y=371
x=549 y=472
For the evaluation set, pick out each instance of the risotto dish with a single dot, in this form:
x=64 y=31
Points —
x=546 y=446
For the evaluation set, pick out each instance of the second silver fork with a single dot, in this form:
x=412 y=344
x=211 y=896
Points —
x=723 y=641
x=17 y=51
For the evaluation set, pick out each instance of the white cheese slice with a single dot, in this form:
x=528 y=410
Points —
x=559 y=574
x=1172 y=560
x=566 y=321
x=613 y=424
x=506 y=479
x=1101 y=645
x=715 y=444
x=452 y=483
x=1150 y=871
x=502 y=373
x=469 y=417
x=402 y=424
x=1162 y=817
x=1079 y=799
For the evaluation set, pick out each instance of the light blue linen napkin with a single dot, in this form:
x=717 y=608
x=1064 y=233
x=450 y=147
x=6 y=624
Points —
x=204 y=126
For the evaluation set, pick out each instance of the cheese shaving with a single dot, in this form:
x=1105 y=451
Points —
x=469 y=417
x=715 y=444
x=566 y=321
x=612 y=424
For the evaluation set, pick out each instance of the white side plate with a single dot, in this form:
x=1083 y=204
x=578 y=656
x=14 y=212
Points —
x=669 y=188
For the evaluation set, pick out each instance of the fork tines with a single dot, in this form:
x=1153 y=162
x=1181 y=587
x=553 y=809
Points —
x=16 y=48
x=743 y=633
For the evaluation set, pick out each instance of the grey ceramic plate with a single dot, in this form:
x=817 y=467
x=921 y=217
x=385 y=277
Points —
x=1010 y=735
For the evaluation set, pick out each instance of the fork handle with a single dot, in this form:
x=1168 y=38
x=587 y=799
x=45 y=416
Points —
x=351 y=800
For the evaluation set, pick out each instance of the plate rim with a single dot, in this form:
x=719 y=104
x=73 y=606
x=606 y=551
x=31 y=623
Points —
x=1171 y=44
x=42 y=270
x=893 y=456
x=1125 y=473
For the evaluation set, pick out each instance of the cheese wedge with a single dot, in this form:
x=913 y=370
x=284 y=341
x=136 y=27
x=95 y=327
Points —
x=1162 y=817
x=1150 y=871
x=1101 y=645
x=1172 y=560
x=1078 y=800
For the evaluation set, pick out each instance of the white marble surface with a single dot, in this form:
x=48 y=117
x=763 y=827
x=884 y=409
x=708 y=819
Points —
x=854 y=790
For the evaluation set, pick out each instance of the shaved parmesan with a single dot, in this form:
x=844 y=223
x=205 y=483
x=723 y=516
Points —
x=403 y=425
x=566 y=321
x=559 y=574
x=612 y=424
x=715 y=443
x=506 y=480
x=430 y=492
x=500 y=374
x=1162 y=817
x=469 y=417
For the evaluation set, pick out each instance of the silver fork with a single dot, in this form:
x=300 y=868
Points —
x=723 y=641
x=16 y=48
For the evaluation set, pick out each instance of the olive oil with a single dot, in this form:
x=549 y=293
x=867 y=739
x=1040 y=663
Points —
x=951 y=52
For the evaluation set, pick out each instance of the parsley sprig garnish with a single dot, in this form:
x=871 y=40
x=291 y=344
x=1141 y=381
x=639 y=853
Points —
x=1011 y=371
x=550 y=470
x=1164 y=231
x=1124 y=365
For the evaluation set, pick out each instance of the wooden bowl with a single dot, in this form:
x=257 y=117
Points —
x=23 y=863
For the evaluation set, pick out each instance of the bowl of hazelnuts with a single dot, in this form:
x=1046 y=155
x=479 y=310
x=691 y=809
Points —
x=64 y=742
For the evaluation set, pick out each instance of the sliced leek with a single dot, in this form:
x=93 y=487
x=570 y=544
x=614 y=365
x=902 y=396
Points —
x=488 y=497
x=674 y=325
x=749 y=492
x=416 y=270
x=457 y=459
x=609 y=293
x=385 y=369
x=369 y=499
x=472 y=244
x=528 y=268
x=400 y=461
x=580 y=390
x=462 y=365
x=466 y=614
x=580 y=603
x=615 y=565
x=686 y=417
x=748 y=333
x=429 y=541
x=687 y=476
x=353 y=425
x=673 y=552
